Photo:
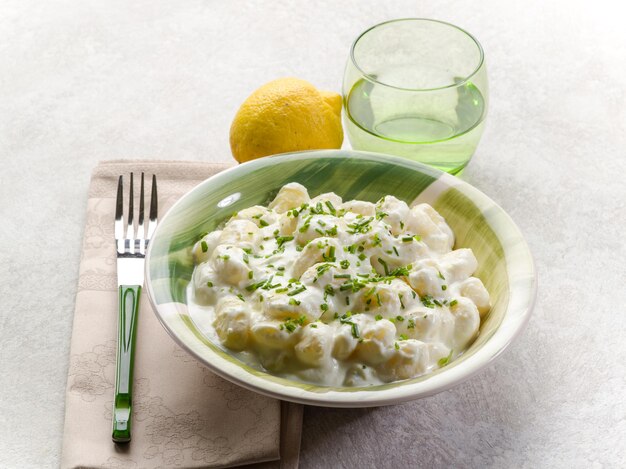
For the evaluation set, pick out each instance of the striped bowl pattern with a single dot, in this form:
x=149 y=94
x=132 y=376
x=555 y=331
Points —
x=505 y=264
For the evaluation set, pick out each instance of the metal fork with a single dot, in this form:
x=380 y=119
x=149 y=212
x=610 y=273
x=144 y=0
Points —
x=131 y=253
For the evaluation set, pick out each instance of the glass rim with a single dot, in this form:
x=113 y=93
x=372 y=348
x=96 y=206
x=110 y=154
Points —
x=371 y=79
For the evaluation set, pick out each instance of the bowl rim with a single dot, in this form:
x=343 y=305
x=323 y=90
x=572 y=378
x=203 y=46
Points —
x=442 y=381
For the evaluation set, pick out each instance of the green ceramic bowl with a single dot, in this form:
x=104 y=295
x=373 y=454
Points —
x=505 y=263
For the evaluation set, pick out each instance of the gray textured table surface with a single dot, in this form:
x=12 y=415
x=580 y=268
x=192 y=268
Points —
x=92 y=80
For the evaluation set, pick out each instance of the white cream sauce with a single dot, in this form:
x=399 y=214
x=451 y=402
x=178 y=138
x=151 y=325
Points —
x=334 y=293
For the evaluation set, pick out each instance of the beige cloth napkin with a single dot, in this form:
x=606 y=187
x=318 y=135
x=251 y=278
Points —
x=184 y=416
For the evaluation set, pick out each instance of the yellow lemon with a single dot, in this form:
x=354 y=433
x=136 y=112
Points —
x=284 y=115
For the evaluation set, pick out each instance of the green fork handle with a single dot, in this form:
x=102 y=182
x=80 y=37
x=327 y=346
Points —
x=127 y=331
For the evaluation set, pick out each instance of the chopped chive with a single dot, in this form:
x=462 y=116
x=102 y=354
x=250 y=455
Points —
x=329 y=204
x=384 y=264
x=427 y=301
x=204 y=245
x=453 y=303
x=240 y=296
x=362 y=226
x=440 y=275
x=396 y=251
x=403 y=337
x=400 y=271
x=255 y=286
x=341 y=276
x=280 y=240
x=330 y=257
x=296 y=291
x=362 y=256
x=411 y=324
x=293 y=301
x=397 y=347
x=250 y=274
x=263 y=222
x=324 y=307
x=344 y=264
x=378 y=317
x=399 y=318
x=209 y=284
x=444 y=287
x=321 y=269
x=401 y=303
x=445 y=360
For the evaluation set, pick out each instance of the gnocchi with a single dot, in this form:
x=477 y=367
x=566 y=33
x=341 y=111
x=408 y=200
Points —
x=338 y=293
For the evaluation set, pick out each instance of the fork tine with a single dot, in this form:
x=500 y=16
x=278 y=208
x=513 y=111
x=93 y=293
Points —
x=153 y=209
x=140 y=221
x=130 y=230
x=131 y=196
x=153 y=200
x=140 y=242
x=119 y=216
x=119 y=207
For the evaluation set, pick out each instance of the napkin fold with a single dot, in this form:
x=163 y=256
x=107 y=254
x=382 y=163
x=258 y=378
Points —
x=184 y=416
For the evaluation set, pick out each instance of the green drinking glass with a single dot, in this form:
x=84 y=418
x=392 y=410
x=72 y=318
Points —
x=416 y=88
